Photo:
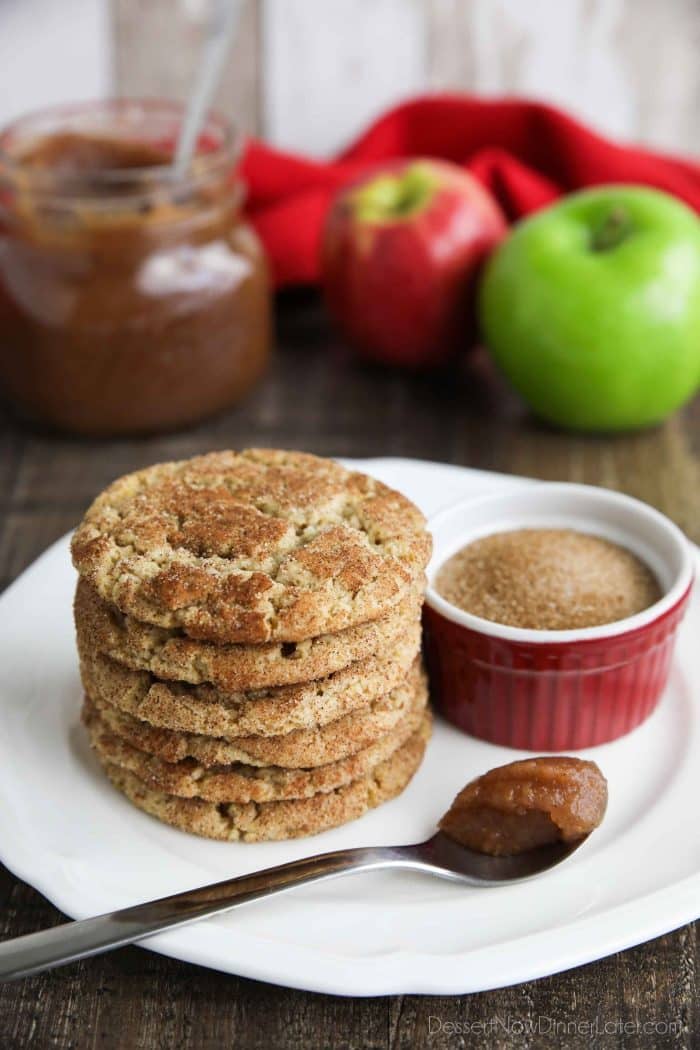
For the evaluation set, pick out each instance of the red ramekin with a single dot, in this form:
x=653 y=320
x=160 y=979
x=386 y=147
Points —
x=555 y=690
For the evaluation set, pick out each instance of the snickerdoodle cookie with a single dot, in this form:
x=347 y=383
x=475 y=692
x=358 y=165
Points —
x=254 y=546
x=300 y=749
x=249 y=635
x=232 y=668
x=271 y=712
x=237 y=781
x=257 y=822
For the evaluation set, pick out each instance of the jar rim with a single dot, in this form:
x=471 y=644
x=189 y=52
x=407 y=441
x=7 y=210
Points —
x=218 y=150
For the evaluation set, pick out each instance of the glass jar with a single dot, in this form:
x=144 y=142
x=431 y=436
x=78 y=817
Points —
x=129 y=301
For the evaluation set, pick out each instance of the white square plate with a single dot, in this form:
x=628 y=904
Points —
x=66 y=831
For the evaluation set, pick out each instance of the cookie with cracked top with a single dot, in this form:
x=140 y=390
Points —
x=251 y=547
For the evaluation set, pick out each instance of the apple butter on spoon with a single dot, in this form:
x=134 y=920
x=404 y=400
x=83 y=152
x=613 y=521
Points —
x=528 y=804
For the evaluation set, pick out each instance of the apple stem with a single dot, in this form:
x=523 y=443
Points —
x=614 y=229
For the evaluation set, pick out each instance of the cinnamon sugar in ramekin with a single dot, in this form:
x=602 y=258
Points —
x=547 y=579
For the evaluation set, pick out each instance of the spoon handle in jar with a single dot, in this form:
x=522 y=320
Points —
x=221 y=29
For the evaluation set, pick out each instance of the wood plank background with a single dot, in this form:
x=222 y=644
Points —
x=308 y=74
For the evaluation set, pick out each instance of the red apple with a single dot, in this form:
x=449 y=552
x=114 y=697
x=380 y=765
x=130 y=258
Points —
x=401 y=252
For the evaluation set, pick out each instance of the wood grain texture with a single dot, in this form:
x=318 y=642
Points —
x=629 y=67
x=309 y=74
x=317 y=398
x=329 y=68
x=156 y=47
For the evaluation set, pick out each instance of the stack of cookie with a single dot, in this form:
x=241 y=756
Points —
x=248 y=627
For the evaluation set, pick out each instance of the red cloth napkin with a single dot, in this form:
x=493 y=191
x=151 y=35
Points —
x=526 y=153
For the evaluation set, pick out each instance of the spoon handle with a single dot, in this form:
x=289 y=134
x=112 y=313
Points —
x=35 y=952
x=225 y=18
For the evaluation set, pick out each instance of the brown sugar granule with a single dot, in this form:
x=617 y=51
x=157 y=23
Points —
x=547 y=579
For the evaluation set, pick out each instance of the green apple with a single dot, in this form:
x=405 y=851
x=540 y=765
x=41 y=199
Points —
x=592 y=308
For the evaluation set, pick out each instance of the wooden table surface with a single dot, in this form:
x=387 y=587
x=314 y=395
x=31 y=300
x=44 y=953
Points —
x=317 y=398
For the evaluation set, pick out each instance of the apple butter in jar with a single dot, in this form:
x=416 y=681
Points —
x=130 y=301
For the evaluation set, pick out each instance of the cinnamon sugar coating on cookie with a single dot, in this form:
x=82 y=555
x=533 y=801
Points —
x=300 y=748
x=171 y=655
x=290 y=818
x=277 y=712
x=233 y=779
x=252 y=547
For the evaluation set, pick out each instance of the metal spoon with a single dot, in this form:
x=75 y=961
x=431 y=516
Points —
x=440 y=856
x=219 y=35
